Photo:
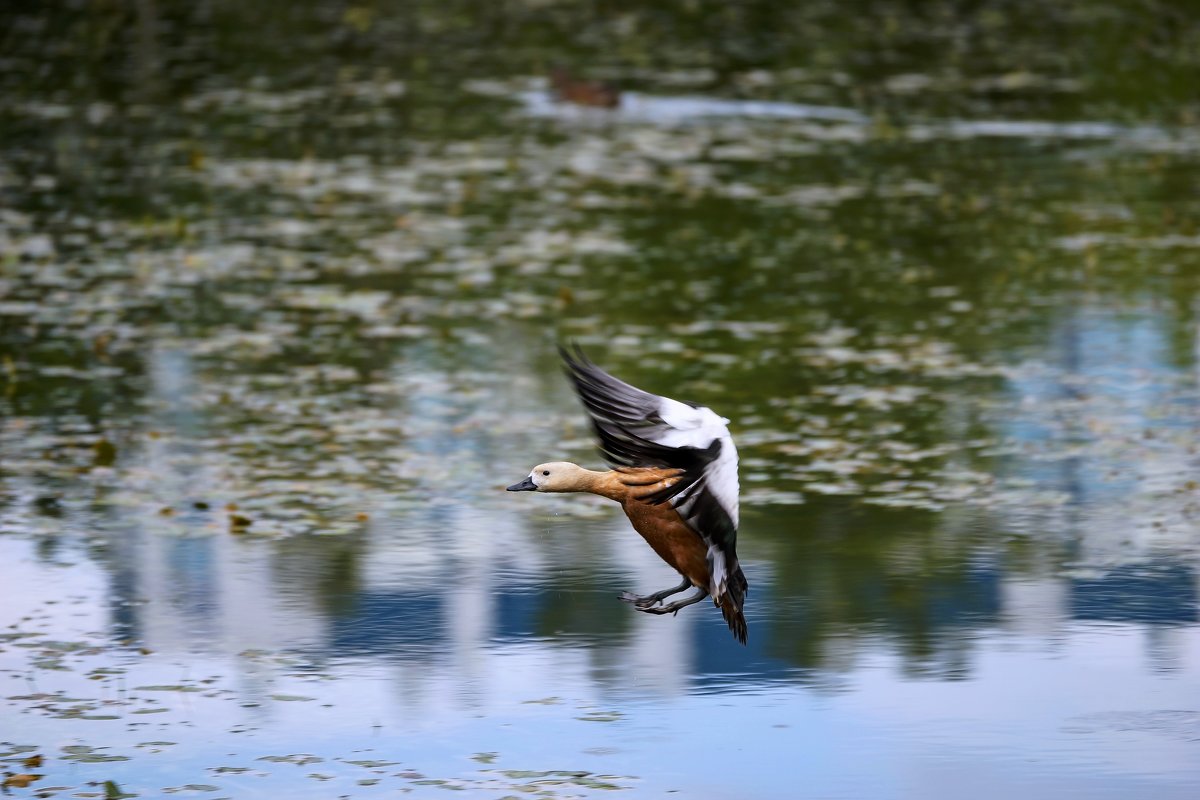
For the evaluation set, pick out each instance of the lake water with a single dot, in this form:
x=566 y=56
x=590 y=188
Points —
x=280 y=291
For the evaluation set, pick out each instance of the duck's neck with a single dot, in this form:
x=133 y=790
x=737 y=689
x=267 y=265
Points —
x=601 y=483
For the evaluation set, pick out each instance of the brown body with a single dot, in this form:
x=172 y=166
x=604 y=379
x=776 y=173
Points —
x=669 y=536
x=659 y=524
x=584 y=93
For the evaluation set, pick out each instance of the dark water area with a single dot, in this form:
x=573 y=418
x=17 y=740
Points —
x=280 y=289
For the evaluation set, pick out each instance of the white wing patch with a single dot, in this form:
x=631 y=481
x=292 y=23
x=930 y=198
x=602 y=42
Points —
x=721 y=477
x=718 y=572
x=690 y=427
x=698 y=427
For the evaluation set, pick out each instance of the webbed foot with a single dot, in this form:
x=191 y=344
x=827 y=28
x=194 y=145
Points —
x=654 y=599
x=673 y=608
x=640 y=602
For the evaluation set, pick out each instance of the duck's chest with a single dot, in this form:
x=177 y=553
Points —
x=669 y=536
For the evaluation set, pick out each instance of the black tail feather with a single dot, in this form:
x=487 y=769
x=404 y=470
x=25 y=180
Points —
x=732 y=602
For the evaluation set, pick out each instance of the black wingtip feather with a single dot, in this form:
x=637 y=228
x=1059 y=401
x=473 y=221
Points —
x=621 y=412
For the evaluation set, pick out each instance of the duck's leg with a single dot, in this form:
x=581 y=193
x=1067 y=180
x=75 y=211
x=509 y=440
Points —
x=671 y=608
x=657 y=597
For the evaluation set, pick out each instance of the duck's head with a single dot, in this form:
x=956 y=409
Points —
x=555 y=476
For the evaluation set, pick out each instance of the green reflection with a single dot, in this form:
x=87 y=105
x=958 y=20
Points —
x=283 y=283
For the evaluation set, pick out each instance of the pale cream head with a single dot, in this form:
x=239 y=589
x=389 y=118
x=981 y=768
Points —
x=553 y=476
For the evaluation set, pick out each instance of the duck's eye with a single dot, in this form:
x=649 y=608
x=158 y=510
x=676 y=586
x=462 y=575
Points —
x=545 y=472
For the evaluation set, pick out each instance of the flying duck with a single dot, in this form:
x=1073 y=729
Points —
x=674 y=472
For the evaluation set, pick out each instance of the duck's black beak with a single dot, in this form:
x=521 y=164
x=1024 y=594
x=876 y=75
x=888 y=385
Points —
x=526 y=485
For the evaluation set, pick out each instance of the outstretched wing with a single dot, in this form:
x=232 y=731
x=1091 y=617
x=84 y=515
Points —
x=639 y=429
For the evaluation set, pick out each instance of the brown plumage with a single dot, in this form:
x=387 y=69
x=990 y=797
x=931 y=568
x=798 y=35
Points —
x=568 y=89
x=660 y=524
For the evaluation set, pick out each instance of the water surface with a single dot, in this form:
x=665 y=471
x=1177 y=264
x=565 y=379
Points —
x=278 y=306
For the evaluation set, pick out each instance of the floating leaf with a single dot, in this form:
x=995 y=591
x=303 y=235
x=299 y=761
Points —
x=192 y=787
x=112 y=791
x=20 y=781
x=299 y=758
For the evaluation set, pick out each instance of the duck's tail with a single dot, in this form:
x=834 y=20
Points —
x=731 y=602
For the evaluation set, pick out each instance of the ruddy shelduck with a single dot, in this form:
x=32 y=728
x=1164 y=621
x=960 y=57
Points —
x=569 y=89
x=674 y=472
